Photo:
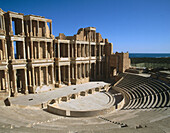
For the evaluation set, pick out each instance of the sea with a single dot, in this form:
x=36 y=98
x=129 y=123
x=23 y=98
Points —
x=149 y=55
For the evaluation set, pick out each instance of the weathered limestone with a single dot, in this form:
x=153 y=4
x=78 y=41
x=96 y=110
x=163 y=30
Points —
x=39 y=42
x=4 y=78
x=31 y=58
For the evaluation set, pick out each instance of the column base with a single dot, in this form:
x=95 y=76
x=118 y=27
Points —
x=31 y=89
x=15 y=94
x=69 y=83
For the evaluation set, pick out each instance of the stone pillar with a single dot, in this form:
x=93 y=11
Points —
x=69 y=83
x=11 y=30
x=75 y=50
x=75 y=71
x=39 y=54
x=47 y=75
x=24 y=52
x=99 y=51
x=46 y=50
x=31 y=45
x=84 y=72
x=72 y=50
x=52 y=74
x=40 y=76
x=95 y=50
x=68 y=50
x=51 y=50
x=72 y=71
x=31 y=34
x=89 y=69
x=45 y=32
x=33 y=80
x=58 y=49
x=89 y=49
x=3 y=49
x=6 y=80
x=5 y=46
x=23 y=27
x=12 y=50
x=26 y=86
x=59 y=75
x=14 y=83
x=29 y=77
x=28 y=50
x=80 y=71
x=37 y=28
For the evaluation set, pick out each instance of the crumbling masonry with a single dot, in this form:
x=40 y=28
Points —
x=32 y=59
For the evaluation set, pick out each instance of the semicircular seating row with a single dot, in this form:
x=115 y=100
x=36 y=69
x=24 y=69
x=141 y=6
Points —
x=145 y=93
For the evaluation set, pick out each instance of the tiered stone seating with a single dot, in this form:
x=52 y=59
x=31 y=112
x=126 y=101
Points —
x=144 y=92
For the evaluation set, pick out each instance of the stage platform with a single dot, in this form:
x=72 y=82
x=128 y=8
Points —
x=44 y=97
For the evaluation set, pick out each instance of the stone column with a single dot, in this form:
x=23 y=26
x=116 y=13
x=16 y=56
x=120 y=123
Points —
x=75 y=50
x=29 y=77
x=6 y=80
x=84 y=70
x=46 y=50
x=24 y=52
x=72 y=50
x=12 y=50
x=5 y=46
x=40 y=76
x=33 y=80
x=68 y=50
x=69 y=83
x=99 y=51
x=75 y=71
x=72 y=71
x=80 y=71
x=28 y=51
x=39 y=54
x=89 y=69
x=26 y=86
x=11 y=30
x=84 y=50
x=45 y=32
x=51 y=50
x=58 y=49
x=89 y=49
x=31 y=45
x=95 y=50
x=14 y=83
x=59 y=75
x=37 y=28
x=23 y=27
x=31 y=34
x=47 y=75
x=52 y=74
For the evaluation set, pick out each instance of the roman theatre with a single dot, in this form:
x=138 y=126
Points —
x=74 y=83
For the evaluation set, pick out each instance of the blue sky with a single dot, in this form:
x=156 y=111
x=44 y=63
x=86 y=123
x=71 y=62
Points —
x=137 y=26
